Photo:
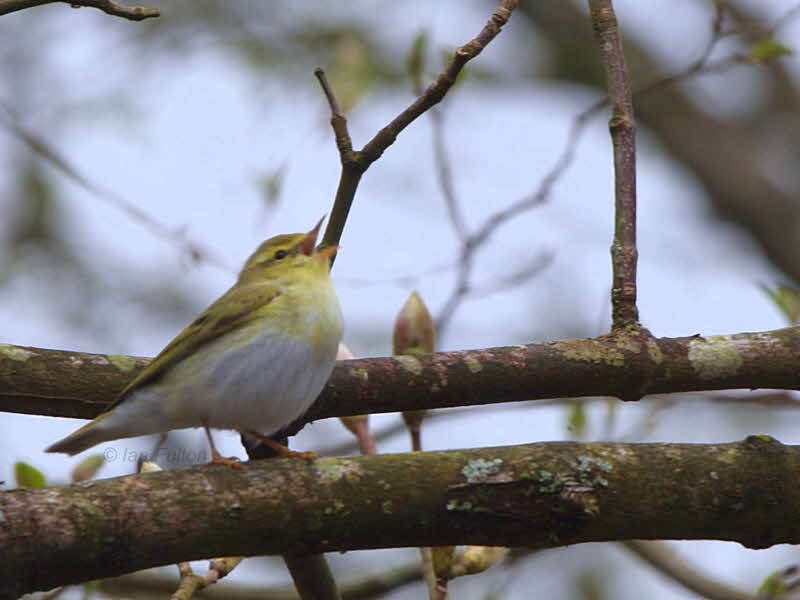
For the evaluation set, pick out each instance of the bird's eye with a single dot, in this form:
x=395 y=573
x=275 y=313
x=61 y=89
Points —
x=281 y=254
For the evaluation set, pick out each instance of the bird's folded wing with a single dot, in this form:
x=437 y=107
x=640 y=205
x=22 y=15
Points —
x=237 y=307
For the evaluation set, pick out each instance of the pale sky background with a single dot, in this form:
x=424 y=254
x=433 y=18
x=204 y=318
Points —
x=197 y=134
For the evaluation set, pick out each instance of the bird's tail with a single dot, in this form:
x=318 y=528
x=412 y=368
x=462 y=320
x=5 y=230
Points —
x=87 y=436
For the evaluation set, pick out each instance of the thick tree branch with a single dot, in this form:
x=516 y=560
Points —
x=538 y=496
x=75 y=384
x=132 y=13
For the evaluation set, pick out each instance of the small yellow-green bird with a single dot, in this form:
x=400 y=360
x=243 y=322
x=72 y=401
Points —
x=254 y=361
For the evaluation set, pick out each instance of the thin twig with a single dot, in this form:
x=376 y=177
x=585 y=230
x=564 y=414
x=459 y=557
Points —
x=338 y=120
x=353 y=587
x=189 y=583
x=462 y=288
x=434 y=93
x=354 y=164
x=132 y=13
x=445 y=176
x=623 y=137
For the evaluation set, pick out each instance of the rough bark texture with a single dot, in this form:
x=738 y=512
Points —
x=627 y=365
x=538 y=495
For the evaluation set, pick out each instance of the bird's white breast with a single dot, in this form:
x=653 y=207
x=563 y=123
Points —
x=251 y=378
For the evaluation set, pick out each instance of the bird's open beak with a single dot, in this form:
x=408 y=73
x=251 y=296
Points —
x=307 y=245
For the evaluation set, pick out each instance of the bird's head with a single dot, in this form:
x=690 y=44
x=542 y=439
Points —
x=284 y=254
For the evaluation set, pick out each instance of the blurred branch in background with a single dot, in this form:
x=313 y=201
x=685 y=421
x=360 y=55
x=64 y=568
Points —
x=44 y=150
x=742 y=161
x=132 y=13
x=469 y=242
x=665 y=560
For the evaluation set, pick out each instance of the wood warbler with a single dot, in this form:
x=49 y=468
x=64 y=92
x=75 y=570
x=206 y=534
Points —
x=254 y=361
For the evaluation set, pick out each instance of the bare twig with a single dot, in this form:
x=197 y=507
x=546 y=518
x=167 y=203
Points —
x=354 y=164
x=462 y=288
x=623 y=137
x=445 y=176
x=190 y=582
x=132 y=13
x=338 y=120
x=354 y=587
x=43 y=149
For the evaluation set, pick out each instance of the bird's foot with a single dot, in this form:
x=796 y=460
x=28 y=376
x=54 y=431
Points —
x=309 y=457
x=282 y=450
x=229 y=461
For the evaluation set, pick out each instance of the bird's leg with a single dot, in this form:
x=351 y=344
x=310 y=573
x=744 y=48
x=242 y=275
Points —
x=217 y=458
x=283 y=450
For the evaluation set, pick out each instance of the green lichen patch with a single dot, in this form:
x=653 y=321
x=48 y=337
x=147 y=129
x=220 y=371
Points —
x=361 y=374
x=15 y=353
x=332 y=470
x=654 y=351
x=473 y=365
x=123 y=363
x=714 y=357
x=459 y=505
x=589 y=351
x=409 y=363
x=480 y=470
x=590 y=471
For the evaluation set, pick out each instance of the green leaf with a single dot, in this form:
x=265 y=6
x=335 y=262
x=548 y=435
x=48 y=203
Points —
x=787 y=299
x=271 y=187
x=88 y=467
x=767 y=49
x=415 y=60
x=577 y=420
x=29 y=477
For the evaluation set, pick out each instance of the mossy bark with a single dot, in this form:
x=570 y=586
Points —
x=626 y=365
x=538 y=496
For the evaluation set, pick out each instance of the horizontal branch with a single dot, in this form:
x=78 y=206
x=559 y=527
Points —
x=132 y=13
x=626 y=366
x=537 y=496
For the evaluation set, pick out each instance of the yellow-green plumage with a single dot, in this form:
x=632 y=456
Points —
x=255 y=360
